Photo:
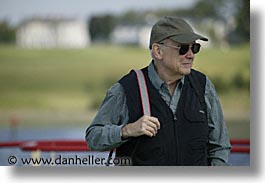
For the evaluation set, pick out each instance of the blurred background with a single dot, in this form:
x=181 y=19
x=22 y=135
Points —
x=58 y=58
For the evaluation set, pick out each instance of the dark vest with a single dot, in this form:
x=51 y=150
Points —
x=183 y=136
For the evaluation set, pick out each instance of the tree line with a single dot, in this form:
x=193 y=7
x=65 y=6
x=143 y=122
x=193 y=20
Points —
x=101 y=26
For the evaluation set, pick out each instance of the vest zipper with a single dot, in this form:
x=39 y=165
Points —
x=176 y=139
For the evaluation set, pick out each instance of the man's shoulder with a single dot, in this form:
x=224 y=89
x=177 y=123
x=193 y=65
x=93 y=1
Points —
x=115 y=90
x=128 y=77
x=201 y=75
x=132 y=76
x=129 y=81
x=198 y=76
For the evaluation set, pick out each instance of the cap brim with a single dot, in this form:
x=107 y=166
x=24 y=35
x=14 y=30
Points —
x=187 y=37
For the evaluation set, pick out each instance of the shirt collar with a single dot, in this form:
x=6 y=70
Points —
x=155 y=79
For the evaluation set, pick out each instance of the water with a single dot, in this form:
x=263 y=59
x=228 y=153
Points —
x=76 y=158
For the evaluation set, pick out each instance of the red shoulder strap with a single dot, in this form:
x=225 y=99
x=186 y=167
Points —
x=143 y=92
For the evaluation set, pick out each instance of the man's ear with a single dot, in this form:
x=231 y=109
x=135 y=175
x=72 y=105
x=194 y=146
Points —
x=157 y=52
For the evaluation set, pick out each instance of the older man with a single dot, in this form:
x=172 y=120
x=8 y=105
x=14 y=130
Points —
x=183 y=125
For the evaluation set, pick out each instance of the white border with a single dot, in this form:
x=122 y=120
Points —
x=254 y=173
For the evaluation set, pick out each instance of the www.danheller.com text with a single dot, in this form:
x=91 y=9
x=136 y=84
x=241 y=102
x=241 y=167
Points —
x=89 y=160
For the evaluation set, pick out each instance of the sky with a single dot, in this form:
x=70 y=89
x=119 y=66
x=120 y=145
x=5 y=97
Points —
x=16 y=10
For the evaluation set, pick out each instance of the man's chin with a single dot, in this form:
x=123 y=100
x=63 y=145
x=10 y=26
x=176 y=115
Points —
x=186 y=71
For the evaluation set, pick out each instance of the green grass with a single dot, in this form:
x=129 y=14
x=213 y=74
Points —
x=62 y=78
x=225 y=63
x=59 y=88
x=76 y=80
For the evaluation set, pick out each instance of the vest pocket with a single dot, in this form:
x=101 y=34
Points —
x=194 y=111
x=149 y=151
x=197 y=115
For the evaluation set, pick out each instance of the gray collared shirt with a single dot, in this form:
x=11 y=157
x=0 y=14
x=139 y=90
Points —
x=104 y=133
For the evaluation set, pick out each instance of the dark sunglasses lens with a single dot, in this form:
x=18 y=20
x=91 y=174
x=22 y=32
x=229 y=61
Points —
x=196 y=48
x=184 y=49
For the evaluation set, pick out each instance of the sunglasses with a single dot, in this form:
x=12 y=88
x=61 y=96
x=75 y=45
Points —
x=184 y=48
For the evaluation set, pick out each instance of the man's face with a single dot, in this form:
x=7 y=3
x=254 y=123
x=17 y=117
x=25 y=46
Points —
x=173 y=62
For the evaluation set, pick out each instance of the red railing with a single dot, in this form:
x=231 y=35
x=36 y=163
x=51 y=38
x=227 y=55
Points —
x=238 y=145
x=240 y=141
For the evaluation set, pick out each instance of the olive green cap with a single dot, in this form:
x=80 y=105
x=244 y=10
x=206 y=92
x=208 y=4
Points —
x=176 y=28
